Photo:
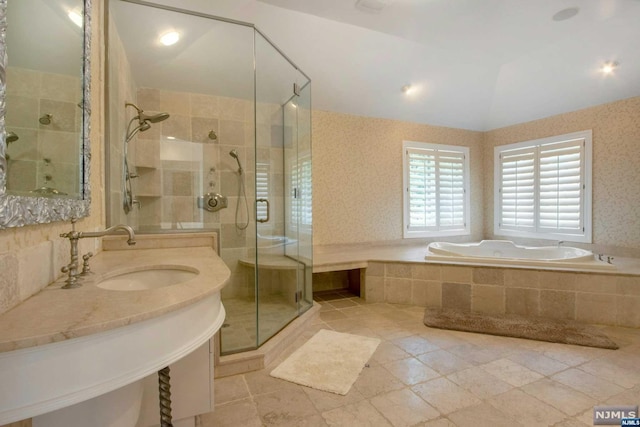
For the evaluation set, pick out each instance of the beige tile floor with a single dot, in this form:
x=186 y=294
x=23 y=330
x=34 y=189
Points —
x=420 y=376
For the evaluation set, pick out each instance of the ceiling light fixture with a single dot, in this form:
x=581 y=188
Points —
x=76 y=18
x=170 y=38
x=609 y=67
x=407 y=89
x=565 y=14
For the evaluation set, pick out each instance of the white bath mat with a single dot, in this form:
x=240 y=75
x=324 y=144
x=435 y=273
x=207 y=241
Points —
x=329 y=361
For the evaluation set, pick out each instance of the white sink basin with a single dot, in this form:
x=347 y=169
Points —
x=148 y=279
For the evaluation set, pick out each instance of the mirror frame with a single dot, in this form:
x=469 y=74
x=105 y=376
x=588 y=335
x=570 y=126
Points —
x=17 y=211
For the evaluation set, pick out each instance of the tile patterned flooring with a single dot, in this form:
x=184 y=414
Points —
x=239 y=330
x=421 y=376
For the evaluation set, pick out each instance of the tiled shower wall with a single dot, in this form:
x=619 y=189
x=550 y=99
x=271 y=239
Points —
x=44 y=155
x=177 y=161
x=122 y=89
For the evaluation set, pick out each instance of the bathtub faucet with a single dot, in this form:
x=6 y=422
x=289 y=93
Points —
x=560 y=243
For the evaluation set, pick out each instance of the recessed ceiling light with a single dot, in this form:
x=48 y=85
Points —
x=171 y=138
x=372 y=6
x=76 y=18
x=170 y=38
x=408 y=89
x=609 y=67
x=565 y=14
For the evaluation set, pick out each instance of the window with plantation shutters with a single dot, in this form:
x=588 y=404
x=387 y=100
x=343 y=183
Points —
x=436 y=196
x=262 y=189
x=301 y=209
x=543 y=188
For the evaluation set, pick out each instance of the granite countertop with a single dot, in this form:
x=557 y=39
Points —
x=56 y=314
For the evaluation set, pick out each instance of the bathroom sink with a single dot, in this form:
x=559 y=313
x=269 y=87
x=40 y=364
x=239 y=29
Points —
x=152 y=278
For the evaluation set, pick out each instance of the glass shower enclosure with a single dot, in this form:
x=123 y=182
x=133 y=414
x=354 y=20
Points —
x=213 y=133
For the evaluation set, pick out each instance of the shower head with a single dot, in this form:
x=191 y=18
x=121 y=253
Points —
x=12 y=137
x=46 y=119
x=156 y=118
x=142 y=117
x=234 y=153
x=144 y=121
x=144 y=126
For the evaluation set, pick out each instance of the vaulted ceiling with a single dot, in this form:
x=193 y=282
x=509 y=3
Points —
x=473 y=64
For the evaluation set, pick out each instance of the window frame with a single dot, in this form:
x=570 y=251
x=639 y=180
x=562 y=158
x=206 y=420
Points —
x=587 y=190
x=438 y=231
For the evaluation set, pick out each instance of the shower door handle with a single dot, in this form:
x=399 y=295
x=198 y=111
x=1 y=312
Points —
x=268 y=210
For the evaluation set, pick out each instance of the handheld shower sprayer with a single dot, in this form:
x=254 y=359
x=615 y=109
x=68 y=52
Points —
x=144 y=124
x=242 y=196
x=234 y=153
x=144 y=121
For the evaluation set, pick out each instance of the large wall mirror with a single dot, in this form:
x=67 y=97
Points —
x=44 y=110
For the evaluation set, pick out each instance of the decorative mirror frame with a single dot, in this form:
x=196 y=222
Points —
x=17 y=211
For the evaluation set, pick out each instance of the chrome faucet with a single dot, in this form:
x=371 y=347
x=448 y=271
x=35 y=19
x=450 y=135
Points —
x=560 y=243
x=74 y=236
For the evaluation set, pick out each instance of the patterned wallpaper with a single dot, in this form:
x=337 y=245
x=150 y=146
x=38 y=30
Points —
x=616 y=178
x=357 y=175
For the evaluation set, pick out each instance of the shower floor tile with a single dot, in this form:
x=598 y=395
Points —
x=239 y=329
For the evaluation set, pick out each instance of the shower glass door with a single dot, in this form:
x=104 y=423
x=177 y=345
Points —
x=299 y=222
x=280 y=275
x=221 y=115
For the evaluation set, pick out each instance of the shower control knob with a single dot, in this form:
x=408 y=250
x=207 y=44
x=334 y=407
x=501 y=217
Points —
x=212 y=202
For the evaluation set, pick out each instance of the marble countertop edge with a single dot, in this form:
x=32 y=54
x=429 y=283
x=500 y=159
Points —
x=55 y=314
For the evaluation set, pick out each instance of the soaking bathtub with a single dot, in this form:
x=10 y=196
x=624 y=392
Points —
x=503 y=252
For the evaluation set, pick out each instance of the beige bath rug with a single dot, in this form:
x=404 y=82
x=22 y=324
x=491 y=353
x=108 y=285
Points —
x=534 y=328
x=329 y=361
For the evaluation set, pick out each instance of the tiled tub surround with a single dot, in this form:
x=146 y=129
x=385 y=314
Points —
x=399 y=274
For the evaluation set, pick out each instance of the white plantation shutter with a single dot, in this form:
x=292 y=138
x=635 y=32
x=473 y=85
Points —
x=518 y=194
x=301 y=205
x=262 y=189
x=422 y=189
x=543 y=188
x=304 y=184
x=561 y=186
x=436 y=183
x=451 y=189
